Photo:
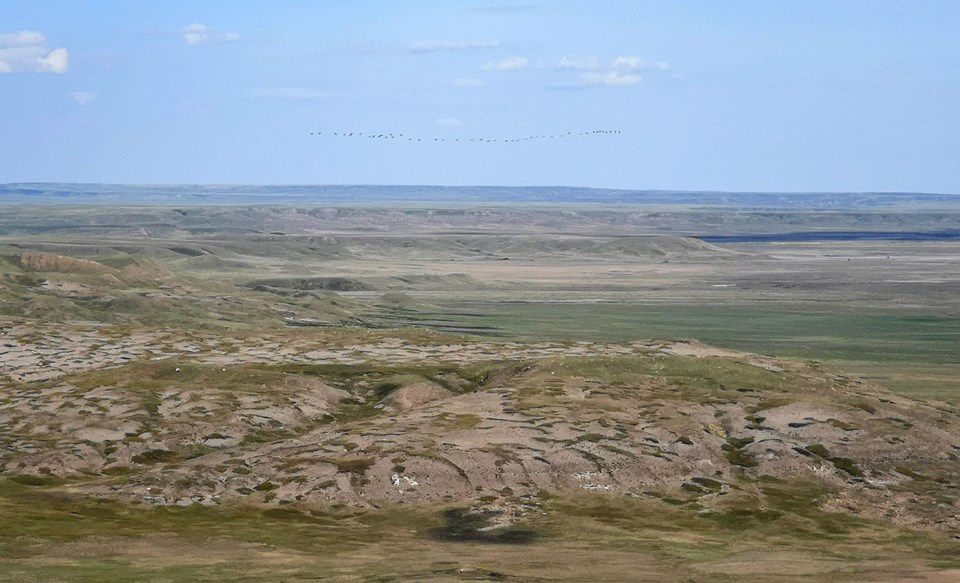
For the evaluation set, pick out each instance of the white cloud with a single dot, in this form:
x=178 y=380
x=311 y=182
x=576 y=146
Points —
x=84 y=97
x=24 y=38
x=56 y=62
x=448 y=122
x=26 y=51
x=624 y=64
x=197 y=34
x=429 y=46
x=508 y=64
x=638 y=64
x=610 y=78
x=467 y=82
x=582 y=63
x=622 y=71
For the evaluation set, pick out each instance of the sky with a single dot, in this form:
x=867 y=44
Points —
x=740 y=95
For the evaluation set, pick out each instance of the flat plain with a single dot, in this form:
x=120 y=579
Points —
x=465 y=391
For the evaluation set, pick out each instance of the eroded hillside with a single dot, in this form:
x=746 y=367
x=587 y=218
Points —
x=394 y=419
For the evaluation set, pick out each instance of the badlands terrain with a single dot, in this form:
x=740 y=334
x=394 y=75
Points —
x=464 y=392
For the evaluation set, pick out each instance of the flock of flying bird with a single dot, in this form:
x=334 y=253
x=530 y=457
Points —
x=391 y=136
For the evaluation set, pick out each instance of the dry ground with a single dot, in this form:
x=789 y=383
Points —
x=235 y=394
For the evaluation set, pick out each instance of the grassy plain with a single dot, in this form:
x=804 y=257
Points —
x=49 y=535
x=302 y=357
x=909 y=350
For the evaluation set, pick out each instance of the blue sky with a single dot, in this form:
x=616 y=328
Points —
x=763 y=95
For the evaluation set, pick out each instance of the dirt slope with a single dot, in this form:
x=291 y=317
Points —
x=677 y=421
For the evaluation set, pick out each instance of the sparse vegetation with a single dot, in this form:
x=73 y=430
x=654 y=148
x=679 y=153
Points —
x=152 y=456
x=261 y=397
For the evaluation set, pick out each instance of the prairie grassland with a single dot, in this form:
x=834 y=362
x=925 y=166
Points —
x=908 y=350
x=49 y=534
x=256 y=393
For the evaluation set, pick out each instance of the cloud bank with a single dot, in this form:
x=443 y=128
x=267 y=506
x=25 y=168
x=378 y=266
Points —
x=620 y=72
x=611 y=78
x=508 y=64
x=198 y=34
x=26 y=51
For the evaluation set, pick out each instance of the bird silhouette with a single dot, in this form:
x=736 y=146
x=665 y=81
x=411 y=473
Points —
x=480 y=140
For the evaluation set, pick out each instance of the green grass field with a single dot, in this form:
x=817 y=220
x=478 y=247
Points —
x=49 y=534
x=914 y=351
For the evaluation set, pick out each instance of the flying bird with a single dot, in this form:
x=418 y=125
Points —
x=485 y=140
